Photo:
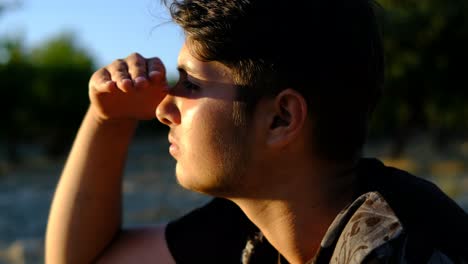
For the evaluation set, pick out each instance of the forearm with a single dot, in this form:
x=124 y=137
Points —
x=86 y=210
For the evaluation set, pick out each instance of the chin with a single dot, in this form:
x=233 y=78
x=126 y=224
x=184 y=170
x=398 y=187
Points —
x=205 y=184
x=191 y=181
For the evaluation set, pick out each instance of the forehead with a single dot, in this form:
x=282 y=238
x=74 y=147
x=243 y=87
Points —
x=203 y=70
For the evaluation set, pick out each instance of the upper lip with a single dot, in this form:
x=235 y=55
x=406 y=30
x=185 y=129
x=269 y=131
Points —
x=172 y=139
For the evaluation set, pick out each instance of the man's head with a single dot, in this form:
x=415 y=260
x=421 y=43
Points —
x=328 y=51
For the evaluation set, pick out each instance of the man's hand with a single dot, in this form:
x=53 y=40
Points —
x=129 y=88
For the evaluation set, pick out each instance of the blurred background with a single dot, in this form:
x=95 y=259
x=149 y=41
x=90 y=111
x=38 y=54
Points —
x=50 y=48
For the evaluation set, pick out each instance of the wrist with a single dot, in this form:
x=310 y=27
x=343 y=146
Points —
x=101 y=120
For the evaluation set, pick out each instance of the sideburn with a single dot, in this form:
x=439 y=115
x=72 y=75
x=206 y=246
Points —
x=246 y=100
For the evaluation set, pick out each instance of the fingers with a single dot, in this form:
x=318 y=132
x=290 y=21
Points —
x=130 y=87
x=101 y=76
x=156 y=70
x=101 y=81
x=131 y=73
x=155 y=66
x=137 y=68
x=118 y=71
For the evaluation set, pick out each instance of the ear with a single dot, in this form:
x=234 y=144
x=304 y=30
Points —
x=287 y=122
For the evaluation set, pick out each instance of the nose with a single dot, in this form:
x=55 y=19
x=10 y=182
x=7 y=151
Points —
x=167 y=111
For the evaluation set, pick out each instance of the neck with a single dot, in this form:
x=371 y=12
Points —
x=297 y=213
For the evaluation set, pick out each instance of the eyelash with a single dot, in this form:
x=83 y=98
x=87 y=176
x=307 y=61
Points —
x=190 y=86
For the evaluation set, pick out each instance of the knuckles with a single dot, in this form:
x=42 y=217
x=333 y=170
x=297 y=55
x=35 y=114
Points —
x=135 y=56
x=118 y=64
x=121 y=67
x=100 y=74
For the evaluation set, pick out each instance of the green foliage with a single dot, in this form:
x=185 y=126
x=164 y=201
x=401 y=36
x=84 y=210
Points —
x=15 y=74
x=61 y=50
x=62 y=73
x=44 y=91
x=425 y=46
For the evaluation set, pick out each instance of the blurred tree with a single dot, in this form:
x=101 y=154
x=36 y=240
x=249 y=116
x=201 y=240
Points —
x=6 y=5
x=426 y=88
x=60 y=90
x=16 y=75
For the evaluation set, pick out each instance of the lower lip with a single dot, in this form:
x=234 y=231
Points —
x=174 y=150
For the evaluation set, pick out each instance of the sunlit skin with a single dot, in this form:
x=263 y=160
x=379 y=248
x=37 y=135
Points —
x=263 y=163
x=200 y=111
x=264 y=167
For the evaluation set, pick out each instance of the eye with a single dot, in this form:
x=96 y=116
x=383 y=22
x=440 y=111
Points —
x=190 y=86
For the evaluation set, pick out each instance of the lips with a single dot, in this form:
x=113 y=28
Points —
x=173 y=148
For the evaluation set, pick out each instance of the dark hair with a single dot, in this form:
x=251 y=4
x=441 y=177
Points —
x=328 y=50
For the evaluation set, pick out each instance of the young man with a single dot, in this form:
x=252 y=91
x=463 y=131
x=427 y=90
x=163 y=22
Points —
x=270 y=122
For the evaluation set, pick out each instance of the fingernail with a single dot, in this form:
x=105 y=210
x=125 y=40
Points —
x=154 y=73
x=126 y=83
x=139 y=79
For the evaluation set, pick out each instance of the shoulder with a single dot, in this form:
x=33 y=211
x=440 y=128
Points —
x=138 y=245
x=408 y=193
x=431 y=219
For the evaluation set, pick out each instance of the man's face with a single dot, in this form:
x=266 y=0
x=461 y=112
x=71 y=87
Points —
x=207 y=137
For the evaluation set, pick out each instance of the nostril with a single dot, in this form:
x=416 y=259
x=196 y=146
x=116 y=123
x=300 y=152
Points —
x=167 y=112
x=162 y=117
x=165 y=121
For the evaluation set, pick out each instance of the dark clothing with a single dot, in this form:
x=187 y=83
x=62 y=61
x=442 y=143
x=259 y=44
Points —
x=420 y=224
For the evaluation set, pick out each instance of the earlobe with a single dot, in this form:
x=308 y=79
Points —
x=289 y=117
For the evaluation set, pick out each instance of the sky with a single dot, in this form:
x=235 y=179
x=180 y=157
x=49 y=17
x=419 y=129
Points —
x=107 y=29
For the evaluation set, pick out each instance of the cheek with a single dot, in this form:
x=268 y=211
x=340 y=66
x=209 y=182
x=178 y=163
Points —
x=205 y=124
